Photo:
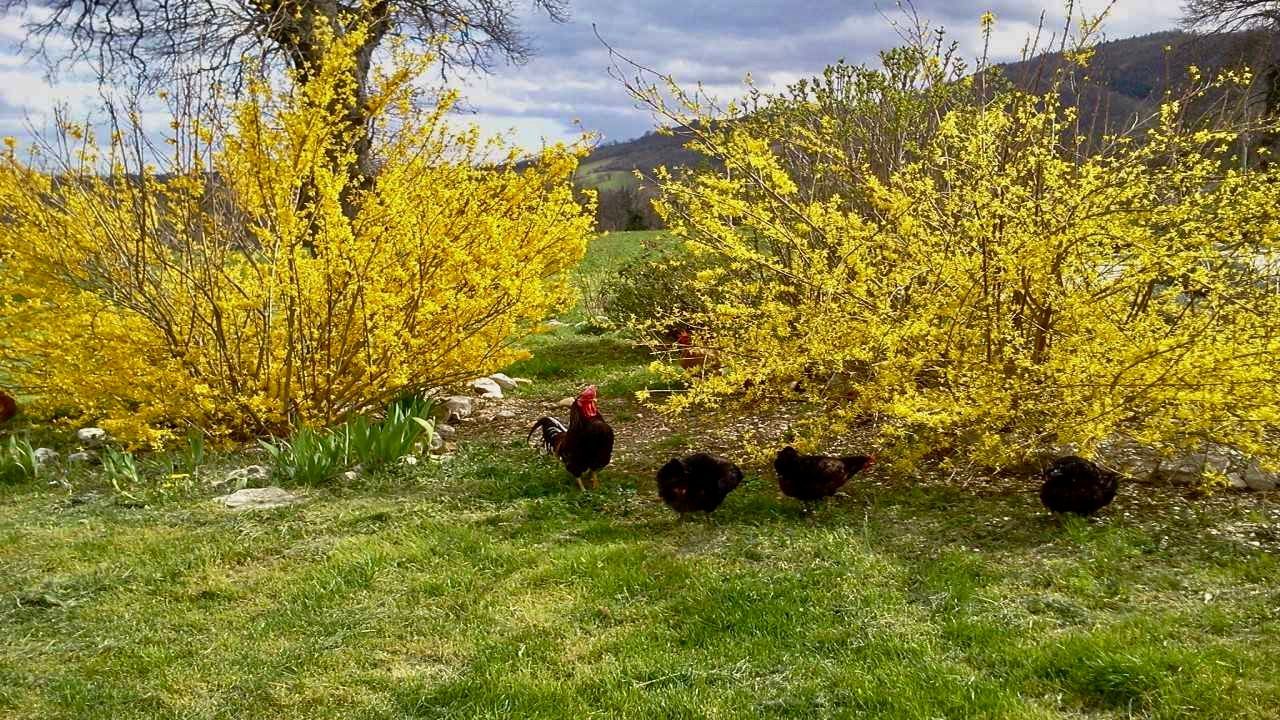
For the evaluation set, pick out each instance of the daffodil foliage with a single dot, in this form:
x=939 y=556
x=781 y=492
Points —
x=989 y=289
x=245 y=284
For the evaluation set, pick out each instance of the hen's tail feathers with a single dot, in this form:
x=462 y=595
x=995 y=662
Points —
x=551 y=429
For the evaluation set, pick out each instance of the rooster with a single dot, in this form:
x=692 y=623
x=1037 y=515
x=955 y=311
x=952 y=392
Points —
x=586 y=446
x=697 y=483
x=8 y=407
x=811 y=478
x=1075 y=485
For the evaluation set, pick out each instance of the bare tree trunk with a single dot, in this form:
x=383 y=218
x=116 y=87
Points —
x=297 y=38
x=1271 y=106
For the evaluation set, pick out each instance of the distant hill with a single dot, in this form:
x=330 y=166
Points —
x=1128 y=76
x=612 y=165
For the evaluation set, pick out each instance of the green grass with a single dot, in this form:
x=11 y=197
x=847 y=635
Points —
x=592 y=175
x=610 y=251
x=489 y=587
x=567 y=357
x=607 y=179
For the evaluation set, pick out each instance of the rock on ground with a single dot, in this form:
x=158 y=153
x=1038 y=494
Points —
x=1130 y=459
x=504 y=381
x=44 y=456
x=487 y=388
x=445 y=431
x=83 y=456
x=458 y=408
x=264 y=498
x=1255 y=478
x=91 y=436
x=1143 y=463
x=567 y=402
x=249 y=476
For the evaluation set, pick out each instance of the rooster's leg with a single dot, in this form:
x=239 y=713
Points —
x=595 y=480
x=580 y=487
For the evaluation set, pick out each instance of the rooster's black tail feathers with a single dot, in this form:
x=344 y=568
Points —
x=551 y=430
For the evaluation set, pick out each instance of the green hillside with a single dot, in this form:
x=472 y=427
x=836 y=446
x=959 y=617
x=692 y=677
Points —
x=1128 y=78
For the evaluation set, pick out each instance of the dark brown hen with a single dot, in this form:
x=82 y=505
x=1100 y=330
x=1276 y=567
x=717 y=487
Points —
x=1075 y=485
x=810 y=478
x=697 y=483
x=585 y=447
x=8 y=407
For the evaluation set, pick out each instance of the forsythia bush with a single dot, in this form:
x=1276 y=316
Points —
x=253 y=284
x=991 y=290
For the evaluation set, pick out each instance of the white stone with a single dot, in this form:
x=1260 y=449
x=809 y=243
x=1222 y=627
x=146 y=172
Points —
x=1192 y=468
x=83 y=456
x=249 y=476
x=505 y=415
x=567 y=402
x=1128 y=458
x=458 y=408
x=409 y=460
x=351 y=476
x=264 y=498
x=91 y=436
x=1258 y=479
x=504 y=381
x=445 y=432
x=45 y=456
x=1185 y=470
x=487 y=388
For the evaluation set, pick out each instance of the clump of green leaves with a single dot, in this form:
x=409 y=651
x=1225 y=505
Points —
x=18 y=461
x=309 y=457
x=193 y=455
x=121 y=468
x=375 y=444
x=314 y=456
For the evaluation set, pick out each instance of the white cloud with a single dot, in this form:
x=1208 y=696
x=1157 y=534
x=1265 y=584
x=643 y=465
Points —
x=719 y=43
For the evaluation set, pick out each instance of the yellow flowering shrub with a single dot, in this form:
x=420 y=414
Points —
x=994 y=291
x=244 y=286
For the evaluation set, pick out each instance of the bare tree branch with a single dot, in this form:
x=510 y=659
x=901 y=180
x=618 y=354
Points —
x=155 y=40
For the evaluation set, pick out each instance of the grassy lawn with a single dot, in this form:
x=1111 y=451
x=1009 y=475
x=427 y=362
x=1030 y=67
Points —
x=487 y=586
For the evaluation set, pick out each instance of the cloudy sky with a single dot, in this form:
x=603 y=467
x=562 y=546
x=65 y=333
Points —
x=716 y=42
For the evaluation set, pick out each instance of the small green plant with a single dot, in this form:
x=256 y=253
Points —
x=18 y=461
x=374 y=444
x=193 y=455
x=182 y=462
x=121 y=468
x=310 y=457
